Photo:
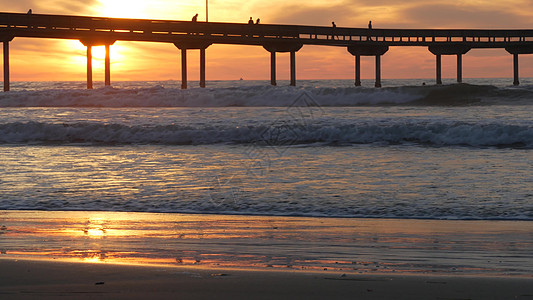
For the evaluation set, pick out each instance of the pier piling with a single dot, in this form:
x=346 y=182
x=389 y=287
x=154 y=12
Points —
x=459 y=68
x=183 y=68
x=439 y=68
x=515 y=51
x=293 y=68
x=202 y=67
x=273 y=68
x=89 y=43
x=516 y=81
x=452 y=49
x=285 y=47
x=6 y=66
x=378 y=71
x=367 y=50
x=89 y=67
x=107 y=65
x=185 y=45
x=357 y=70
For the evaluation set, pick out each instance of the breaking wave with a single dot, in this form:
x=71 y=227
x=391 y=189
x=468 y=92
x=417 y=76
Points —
x=283 y=134
x=268 y=96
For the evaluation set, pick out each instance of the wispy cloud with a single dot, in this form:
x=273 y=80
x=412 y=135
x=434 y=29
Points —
x=463 y=16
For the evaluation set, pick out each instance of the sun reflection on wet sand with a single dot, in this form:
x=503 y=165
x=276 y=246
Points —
x=347 y=245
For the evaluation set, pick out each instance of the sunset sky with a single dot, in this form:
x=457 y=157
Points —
x=46 y=59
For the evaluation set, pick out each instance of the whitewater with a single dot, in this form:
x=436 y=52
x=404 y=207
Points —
x=322 y=149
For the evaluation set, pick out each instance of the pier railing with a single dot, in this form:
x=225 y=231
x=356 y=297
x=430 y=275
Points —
x=71 y=27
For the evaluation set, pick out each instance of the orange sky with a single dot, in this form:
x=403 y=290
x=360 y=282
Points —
x=42 y=59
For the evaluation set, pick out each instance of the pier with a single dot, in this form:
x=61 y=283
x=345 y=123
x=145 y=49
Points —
x=187 y=35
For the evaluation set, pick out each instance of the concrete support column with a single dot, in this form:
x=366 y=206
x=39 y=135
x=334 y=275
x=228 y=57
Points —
x=6 y=66
x=89 y=67
x=378 y=71
x=516 y=80
x=459 y=68
x=183 y=68
x=439 y=68
x=273 y=68
x=107 y=66
x=293 y=68
x=202 y=67
x=357 y=70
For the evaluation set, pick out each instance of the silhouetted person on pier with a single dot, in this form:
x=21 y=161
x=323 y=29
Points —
x=369 y=27
x=195 y=18
x=257 y=22
x=29 y=12
x=251 y=21
x=334 y=26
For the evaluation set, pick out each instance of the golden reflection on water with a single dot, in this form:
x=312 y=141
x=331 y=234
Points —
x=347 y=245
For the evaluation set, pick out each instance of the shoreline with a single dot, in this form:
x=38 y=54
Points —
x=261 y=243
x=26 y=279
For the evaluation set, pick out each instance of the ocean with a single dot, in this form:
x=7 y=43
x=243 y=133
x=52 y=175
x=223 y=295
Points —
x=412 y=177
x=322 y=149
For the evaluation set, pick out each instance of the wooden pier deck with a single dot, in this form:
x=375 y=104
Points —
x=186 y=35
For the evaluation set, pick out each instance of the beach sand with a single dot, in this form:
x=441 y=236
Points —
x=25 y=279
x=113 y=255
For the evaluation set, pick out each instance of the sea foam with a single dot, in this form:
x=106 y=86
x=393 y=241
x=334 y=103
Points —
x=266 y=96
x=413 y=131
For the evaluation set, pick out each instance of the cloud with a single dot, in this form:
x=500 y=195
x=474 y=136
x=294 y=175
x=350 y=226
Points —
x=20 y=6
x=406 y=14
x=449 y=16
x=77 y=7
x=315 y=15
x=50 y=6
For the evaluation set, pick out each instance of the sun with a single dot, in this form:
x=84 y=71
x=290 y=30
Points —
x=124 y=8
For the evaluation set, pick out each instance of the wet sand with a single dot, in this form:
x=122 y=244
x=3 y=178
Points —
x=112 y=255
x=358 y=246
x=43 y=279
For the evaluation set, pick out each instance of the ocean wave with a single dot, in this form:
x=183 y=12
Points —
x=268 y=96
x=276 y=134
